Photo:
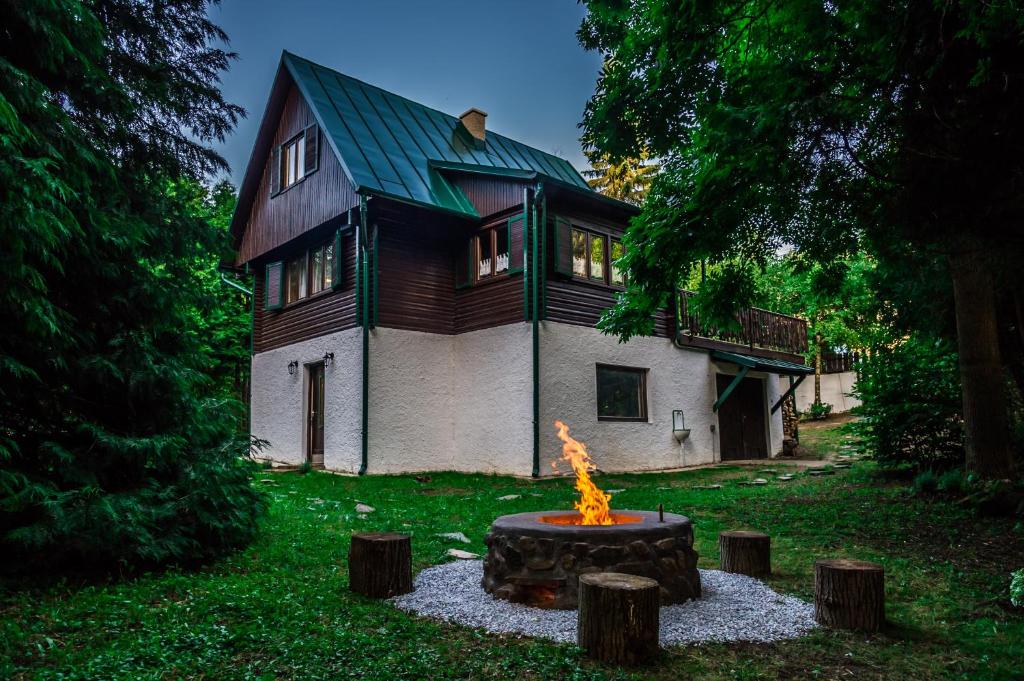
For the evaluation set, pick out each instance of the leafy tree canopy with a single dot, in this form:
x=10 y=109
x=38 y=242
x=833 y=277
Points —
x=823 y=126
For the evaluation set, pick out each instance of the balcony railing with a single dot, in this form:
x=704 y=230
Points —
x=758 y=329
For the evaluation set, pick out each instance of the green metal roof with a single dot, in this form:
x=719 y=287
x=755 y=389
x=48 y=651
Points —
x=394 y=147
x=772 y=366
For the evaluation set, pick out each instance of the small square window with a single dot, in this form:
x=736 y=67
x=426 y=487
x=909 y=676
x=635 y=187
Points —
x=621 y=393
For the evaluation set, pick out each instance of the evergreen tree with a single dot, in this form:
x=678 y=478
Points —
x=115 y=446
x=626 y=180
x=826 y=125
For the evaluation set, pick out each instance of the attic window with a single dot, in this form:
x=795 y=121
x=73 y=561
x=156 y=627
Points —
x=295 y=159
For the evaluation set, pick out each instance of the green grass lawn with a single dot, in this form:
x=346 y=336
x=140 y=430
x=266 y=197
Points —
x=281 y=609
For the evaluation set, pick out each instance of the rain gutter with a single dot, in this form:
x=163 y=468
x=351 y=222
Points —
x=536 y=274
x=363 y=303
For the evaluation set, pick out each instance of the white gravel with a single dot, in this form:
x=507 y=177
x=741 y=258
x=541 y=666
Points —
x=732 y=608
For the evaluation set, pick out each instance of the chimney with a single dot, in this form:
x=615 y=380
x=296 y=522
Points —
x=474 y=122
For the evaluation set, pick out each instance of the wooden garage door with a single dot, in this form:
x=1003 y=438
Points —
x=741 y=420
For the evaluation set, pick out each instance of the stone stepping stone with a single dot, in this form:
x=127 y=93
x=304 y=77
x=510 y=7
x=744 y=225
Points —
x=364 y=508
x=708 y=487
x=842 y=466
x=785 y=477
x=455 y=536
x=614 y=491
x=510 y=497
x=462 y=555
x=757 y=481
x=768 y=471
x=820 y=471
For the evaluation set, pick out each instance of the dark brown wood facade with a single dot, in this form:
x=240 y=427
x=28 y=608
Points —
x=317 y=315
x=317 y=198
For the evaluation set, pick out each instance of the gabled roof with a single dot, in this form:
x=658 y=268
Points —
x=393 y=147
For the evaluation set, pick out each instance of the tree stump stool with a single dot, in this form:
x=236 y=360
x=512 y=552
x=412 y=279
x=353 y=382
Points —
x=380 y=564
x=849 y=594
x=618 y=617
x=745 y=553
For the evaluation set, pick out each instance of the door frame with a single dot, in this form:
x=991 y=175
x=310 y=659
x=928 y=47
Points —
x=762 y=378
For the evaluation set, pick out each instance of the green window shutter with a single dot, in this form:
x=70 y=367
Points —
x=311 y=138
x=563 y=246
x=275 y=170
x=515 y=241
x=274 y=289
x=338 y=264
x=464 y=263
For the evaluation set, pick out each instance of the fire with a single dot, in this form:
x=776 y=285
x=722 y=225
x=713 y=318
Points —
x=593 y=503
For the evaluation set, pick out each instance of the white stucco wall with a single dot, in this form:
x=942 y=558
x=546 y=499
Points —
x=278 y=400
x=440 y=402
x=464 y=402
x=835 y=390
x=493 y=400
x=676 y=379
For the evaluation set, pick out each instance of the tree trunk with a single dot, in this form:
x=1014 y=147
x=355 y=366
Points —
x=745 y=553
x=817 y=368
x=849 y=594
x=618 y=617
x=380 y=564
x=986 y=426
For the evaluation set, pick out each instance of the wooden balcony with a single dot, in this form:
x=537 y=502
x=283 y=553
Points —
x=762 y=333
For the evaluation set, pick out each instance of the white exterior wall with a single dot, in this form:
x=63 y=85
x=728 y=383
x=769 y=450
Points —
x=464 y=402
x=835 y=390
x=278 y=400
x=440 y=402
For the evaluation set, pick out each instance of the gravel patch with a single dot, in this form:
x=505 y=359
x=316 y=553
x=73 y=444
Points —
x=733 y=608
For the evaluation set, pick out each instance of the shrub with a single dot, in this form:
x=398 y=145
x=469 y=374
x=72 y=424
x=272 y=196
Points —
x=952 y=481
x=910 y=412
x=926 y=482
x=1017 y=588
x=818 y=411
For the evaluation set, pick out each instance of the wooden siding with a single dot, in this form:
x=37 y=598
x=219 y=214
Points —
x=317 y=315
x=317 y=198
x=579 y=302
x=417 y=277
x=489 y=195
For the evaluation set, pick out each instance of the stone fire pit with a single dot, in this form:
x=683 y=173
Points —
x=537 y=558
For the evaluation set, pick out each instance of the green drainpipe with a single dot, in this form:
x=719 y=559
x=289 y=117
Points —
x=535 y=276
x=363 y=301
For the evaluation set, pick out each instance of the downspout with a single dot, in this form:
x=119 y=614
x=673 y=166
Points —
x=363 y=300
x=535 y=275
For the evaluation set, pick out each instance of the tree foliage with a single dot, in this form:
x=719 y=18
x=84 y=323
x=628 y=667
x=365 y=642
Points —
x=115 y=444
x=825 y=127
x=626 y=180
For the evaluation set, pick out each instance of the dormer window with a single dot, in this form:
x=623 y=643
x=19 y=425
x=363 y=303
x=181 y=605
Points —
x=294 y=160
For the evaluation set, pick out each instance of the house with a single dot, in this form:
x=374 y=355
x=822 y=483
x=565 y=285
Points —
x=426 y=292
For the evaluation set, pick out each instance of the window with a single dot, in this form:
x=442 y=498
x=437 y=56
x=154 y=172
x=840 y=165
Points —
x=293 y=161
x=579 y=253
x=589 y=255
x=597 y=253
x=322 y=268
x=621 y=393
x=295 y=286
x=492 y=252
x=617 y=277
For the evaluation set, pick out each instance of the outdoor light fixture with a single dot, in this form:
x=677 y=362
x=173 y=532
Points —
x=328 y=358
x=293 y=367
x=679 y=429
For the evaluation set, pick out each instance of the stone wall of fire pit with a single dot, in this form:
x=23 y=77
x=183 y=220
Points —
x=537 y=558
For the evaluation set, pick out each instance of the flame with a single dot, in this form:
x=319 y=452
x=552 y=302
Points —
x=593 y=503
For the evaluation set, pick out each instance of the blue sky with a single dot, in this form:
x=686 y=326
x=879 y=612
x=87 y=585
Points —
x=517 y=60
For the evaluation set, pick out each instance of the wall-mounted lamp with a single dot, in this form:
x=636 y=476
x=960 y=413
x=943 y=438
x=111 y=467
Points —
x=328 y=359
x=679 y=429
x=293 y=366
